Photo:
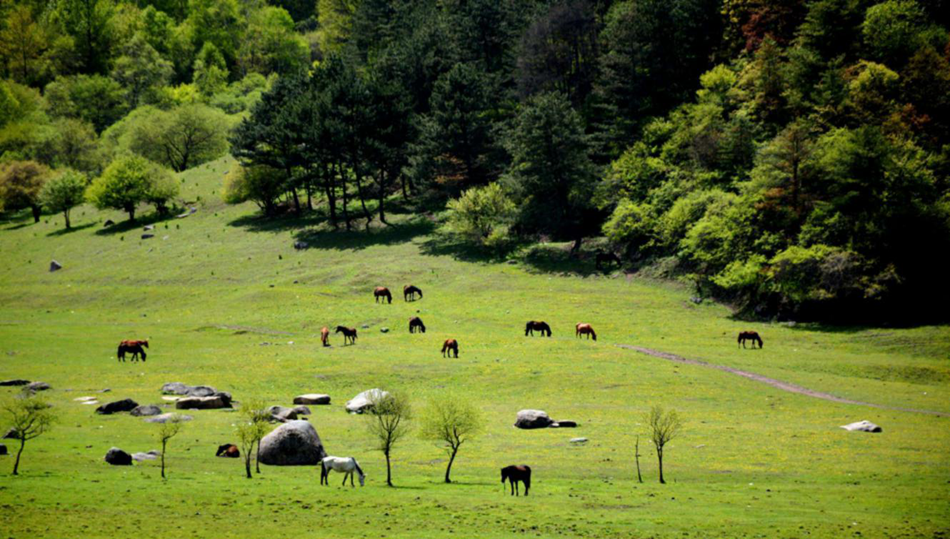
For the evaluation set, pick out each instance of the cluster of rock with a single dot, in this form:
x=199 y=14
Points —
x=282 y=414
x=124 y=405
x=197 y=397
x=539 y=419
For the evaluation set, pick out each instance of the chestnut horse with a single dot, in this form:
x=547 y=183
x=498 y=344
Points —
x=585 y=329
x=514 y=474
x=381 y=292
x=749 y=336
x=537 y=325
x=349 y=334
x=415 y=324
x=450 y=345
x=230 y=451
x=409 y=292
x=133 y=347
x=325 y=336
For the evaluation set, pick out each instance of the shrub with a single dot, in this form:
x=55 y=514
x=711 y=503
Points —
x=63 y=192
x=482 y=215
x=129 y=181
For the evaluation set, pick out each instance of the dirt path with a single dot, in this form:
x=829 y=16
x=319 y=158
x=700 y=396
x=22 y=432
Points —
x=778 y=384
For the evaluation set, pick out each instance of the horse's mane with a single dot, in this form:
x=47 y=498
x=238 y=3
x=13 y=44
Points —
x=358 y=469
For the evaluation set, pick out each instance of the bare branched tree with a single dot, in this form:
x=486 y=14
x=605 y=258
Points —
x=255 y=422
x=451 y=420
x=664 y=426
x=387 y=422
x=30 y=417
x=166 y=431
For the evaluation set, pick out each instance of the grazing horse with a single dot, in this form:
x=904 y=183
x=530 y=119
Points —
x=409 y=292
x=133 y=347
x=349 y=334
x=537 y=325
x=514 y=474
x=325 y=336
x=346 y=465
x=415 y=324
x=607 y=257
x=449 y=346
x=585 y=329
x=382 y=292
x=230 y=451
x=749 y=336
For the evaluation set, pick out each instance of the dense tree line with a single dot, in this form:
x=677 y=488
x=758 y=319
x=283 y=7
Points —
x=790 y=156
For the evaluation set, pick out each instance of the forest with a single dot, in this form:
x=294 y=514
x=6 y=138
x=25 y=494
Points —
x=788 y=157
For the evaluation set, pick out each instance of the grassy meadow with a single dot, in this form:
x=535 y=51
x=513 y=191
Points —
x=227 y=301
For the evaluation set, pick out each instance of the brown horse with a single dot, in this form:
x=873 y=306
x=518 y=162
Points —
x=415 y=324
x=325 y=336
x=449 y=346
x=349 y=334
x=230 y=451
x=585 y=329
x=749 y=336
x=381 y=292
x=409 y=292
x=537 y=325
x=136 y=348
x=514 y=474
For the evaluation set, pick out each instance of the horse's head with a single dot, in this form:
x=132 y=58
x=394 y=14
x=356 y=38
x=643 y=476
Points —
x=362 y=479
x=145 y=343
x=504 y=474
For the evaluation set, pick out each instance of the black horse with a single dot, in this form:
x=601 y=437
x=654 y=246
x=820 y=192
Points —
x=537 y=325
x=133 y=347
x=514 y=474
x=349 y=334
x=749 y=336
x=607 y=257
x=409 y=292
x=415 y=324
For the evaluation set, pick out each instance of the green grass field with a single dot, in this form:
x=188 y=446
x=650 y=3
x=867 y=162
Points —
x=211 y=289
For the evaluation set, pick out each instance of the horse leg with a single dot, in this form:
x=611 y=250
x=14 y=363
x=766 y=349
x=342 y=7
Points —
x=344 y=478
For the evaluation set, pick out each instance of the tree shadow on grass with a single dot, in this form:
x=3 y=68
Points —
x=138 y=223
x=355 y=240
x=64 y=231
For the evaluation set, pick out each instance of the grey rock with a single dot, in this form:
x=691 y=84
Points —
x=14 y=382
x=147 y=236
x=862 y=426
x=149 y=227
x=302 y=410
x=300 y=245
x=696 y=299
x=533 y=419
x=117 y=457
x=175 y=388
x=281 y=413
x=37 y=386
x=202 y=403
x=150 y=455
x=55 y=266
x=384 y=330
x=364 y=326
x=124 y=405
x=364 y=400
x=578 y=440
x=11 y=435
x=201 y=391
x=164 y=418
x=109 y=222
x=312 y=398
x=563 y=424
x=145 y=410
x=295 y=443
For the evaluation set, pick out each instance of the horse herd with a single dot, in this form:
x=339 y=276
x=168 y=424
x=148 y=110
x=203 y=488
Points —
x=348 y=465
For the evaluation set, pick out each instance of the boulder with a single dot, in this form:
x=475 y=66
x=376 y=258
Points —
x=862 y=426
x=200 y=391
x=295 y=443
x=85 y=399
x=175 y=388
x=164 y=418
x=151 y=455
x=124 y=405
x=3 y=449
x=564 y=424
x=384 y=330
x=364 y=401
x=109 y=222
x=146 y=409
x=147 y=236
x=312 y=398
x=202 y=403
x=149 y=227
x=117 y=457
x=301 y=410
x=578 y=440
x=37 y=386
x=55 y=266
x=300 y=245
x=281 y=413
x=11 y=435
x=14 y=382
x=533 y=419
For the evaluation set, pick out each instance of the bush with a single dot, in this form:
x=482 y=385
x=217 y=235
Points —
x=259 y=183
x=63 y=192
x=129 y=181
x=482 y=215
x=20 y=185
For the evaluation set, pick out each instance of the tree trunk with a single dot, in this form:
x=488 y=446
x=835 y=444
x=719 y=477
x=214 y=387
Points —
x=296 y=201
x=359 y=191
x=346 y=211
x=247 y=463
x=16 y=465
x=659 y=458
x=330 y=187
x=66 y=215
x=636 y=453
x=36 y=213
x=405 y=187
x=389 y=471
x=163 y=459
x=131 y=209
x=257 y=457
x=448 y=468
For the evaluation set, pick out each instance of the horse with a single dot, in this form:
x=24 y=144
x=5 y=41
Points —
x=537 y=325
x=325 y=336
x=230 y=451
x=749 y=336
x=133 y=347
x=514 y=474
x=585 y=329
x=415 y=324
x=409 y=292
x=607 y=257
x=347 y=465
x=349 y=334
x=449 y=346
x=382 y=292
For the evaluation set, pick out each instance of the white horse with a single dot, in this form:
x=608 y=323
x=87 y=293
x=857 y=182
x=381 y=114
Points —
x=346 y=465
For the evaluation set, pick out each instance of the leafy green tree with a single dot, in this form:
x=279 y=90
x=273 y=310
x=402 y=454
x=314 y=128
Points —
x=211 y=72
x=167 y=430
x=336 y=21
x=70 y=143
x=894 y=29
x=182 y=137
x=127 y=182
x=258 y=183
x=20 y=185
x=271 y=45
x=64 y=192
x=141 y=70
x=482 y=215
x=551 y=174
x=388 y=424
x=89 y=24
x=94 y=99
x=157 y=29
x=452 y=421
x=23 y=43
x=219 y=22
x=30 y=417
